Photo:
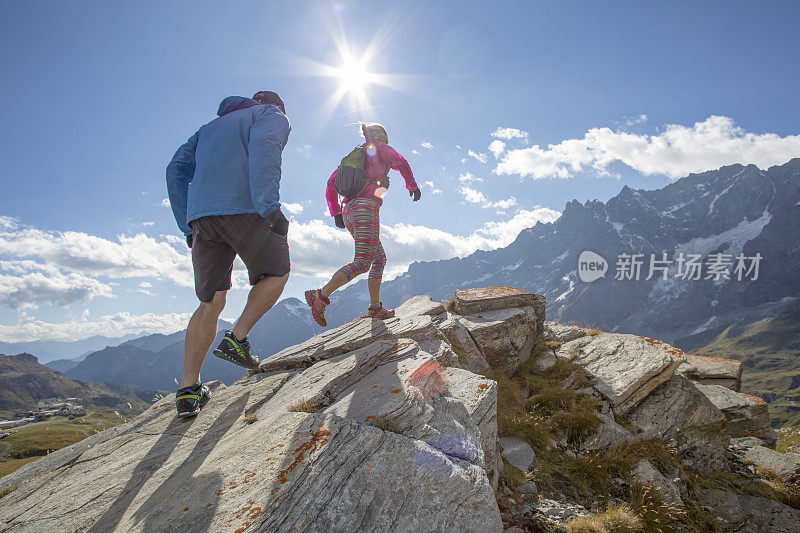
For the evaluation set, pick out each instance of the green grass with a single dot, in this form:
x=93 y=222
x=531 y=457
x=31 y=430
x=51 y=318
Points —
x=788 y=439
x=38 y=439
x=6 y=491
x=769 y=350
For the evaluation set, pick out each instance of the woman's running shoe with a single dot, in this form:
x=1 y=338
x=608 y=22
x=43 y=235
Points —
x=379 y=312
x=236 y=351
x=317 y=302
x=189 y=400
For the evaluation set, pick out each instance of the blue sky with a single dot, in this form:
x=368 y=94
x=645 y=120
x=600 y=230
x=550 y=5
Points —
x=582 y=98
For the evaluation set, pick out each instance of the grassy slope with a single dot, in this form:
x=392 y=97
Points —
x=23 y=382
x=770 y=352
x=550 y=411
x=35 y=440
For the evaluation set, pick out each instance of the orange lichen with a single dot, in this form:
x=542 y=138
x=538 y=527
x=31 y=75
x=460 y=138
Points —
x=318 y=439
x=395 y=391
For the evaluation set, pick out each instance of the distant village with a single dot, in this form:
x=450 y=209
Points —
x=45 y=409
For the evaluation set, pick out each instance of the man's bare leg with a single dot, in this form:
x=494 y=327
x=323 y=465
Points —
x=199 y=335
x=262 y=297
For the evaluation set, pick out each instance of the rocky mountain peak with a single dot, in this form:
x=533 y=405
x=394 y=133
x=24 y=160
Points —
x=393 y=425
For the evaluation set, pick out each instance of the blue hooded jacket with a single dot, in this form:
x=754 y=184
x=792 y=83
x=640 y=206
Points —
x=232 y=165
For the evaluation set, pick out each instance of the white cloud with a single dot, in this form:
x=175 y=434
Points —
x=415 y=152
x=27 y=285
x=433 y=188
x=497 y=147
x=475 y=196
x=480 y=157
x=305 y=150
x=165 y=203
x=319 y=249
x=510 y=133
x=469 y=178
x=675 y=152
x=148 y=223
x=427 y=145
x=137 y=256
x=115 y=325
x=292 y=208
x=641 y=119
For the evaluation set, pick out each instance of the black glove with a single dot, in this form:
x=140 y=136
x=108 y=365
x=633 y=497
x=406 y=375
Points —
x=278 y=223
x=189 y=240
x=416 y=194
x=339 y=221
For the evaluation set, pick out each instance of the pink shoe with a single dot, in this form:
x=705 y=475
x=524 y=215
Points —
x=317 y=302
x=379 y=312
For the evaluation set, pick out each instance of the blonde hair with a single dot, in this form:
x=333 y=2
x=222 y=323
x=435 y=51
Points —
x=374 y=132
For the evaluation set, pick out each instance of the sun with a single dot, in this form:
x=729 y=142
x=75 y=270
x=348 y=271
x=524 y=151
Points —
x=354 y=75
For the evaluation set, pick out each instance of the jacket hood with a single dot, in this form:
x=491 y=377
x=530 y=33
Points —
x=232 y=103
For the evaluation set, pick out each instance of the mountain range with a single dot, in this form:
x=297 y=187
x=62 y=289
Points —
x=735 y=209
x=730 y=211
x=23 y=382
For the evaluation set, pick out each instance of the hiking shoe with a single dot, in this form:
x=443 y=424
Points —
x=379 y=312
x=317 y=302
x=236 y=351
x=189 y=400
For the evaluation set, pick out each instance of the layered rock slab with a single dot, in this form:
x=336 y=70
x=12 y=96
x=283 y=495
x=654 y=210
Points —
x=683 y=417
x=751 y=514
x=351 y=336
x=505 y=337
x=474 y=301
x=627 y=368
x=321 y=471
x=713 y=371
x=747 y=415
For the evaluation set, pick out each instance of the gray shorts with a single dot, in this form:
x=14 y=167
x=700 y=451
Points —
x=217 y=239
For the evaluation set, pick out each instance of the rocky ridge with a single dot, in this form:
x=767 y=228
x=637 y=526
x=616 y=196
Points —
x=388 y=426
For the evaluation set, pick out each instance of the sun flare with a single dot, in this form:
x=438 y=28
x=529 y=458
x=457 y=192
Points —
x=354 y=75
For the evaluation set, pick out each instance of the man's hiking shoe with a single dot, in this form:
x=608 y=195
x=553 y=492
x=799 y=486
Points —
x=236 y=351
x=189 y=400
x=379 y=312
x=317 y=302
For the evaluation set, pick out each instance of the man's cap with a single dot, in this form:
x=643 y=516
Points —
x=270 y=98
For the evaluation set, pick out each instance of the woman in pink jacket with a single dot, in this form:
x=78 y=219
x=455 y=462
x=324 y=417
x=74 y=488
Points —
x=361 y=218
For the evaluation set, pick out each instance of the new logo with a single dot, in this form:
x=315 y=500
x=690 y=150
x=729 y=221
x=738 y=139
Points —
x=591 y=266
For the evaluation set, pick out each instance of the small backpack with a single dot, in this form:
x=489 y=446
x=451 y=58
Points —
x=351 y=178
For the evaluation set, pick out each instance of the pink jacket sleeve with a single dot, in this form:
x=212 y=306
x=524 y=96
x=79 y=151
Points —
x=332 y=196
x=398 y=162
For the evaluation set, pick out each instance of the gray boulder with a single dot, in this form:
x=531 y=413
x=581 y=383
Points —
x=505 y=337
x=476 y=301
x=557 y=332
x=747 y=415
x=462 y=343
x=713 y=371
x=419 y=305
x=684 y=418
x=627 y=368
x=785 y=465
x=517 y=453
x=646 y=474
x=751 y=514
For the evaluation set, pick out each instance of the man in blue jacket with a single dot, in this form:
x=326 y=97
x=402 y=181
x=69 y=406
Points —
x=224 y=190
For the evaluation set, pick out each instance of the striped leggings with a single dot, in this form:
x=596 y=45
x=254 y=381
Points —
x=363 y=222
